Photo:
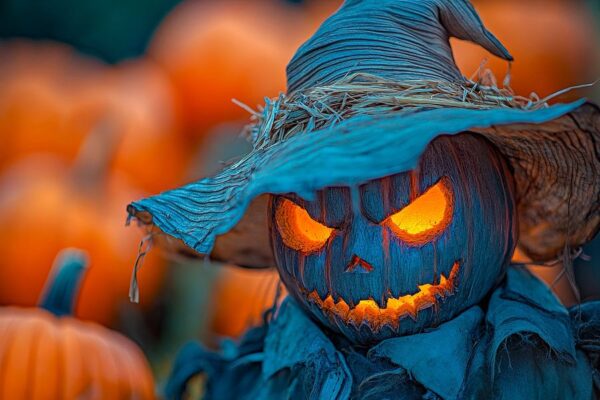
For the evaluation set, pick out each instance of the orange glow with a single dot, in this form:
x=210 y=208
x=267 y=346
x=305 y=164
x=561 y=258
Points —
x=519 y=257
x=240 y=296
x=424 y=218
x=396 y=308
x=298 y=230
x=551 y=275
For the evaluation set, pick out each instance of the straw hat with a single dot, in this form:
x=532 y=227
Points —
x=366 y=95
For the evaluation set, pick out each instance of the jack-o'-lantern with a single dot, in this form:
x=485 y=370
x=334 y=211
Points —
x=346 y=125
x=390 y=191
x=417 y=249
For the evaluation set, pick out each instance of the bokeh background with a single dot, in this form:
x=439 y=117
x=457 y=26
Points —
x=105 y=102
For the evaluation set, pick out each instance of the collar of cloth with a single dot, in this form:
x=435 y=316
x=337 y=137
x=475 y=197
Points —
x=521 y=344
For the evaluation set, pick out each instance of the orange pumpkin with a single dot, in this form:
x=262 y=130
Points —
x=239 y=299
x=47 y=354
x=560 y=50
x=51 y=97
x=217 y=51
x=139 y=94
x=45 y=206
x=38 y=84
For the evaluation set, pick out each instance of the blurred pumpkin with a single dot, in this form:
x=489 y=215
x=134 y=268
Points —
x=217 y=51
x=149 y=150
x=48 y=354
x=561 y=49
x=50 y=97
x=38 y=85
x=46 y=206
x=240 y=297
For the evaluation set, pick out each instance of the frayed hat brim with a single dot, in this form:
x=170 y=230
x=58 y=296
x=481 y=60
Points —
x=554 y=153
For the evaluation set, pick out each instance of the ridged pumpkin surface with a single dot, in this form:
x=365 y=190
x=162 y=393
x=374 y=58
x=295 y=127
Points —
x=45 y=357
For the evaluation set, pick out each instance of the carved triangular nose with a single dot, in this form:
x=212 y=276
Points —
x=359 y=265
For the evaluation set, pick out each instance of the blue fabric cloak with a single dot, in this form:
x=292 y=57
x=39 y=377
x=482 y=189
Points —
x=521 y=344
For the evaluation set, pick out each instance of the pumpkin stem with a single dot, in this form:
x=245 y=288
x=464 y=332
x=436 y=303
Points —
x=62 y=286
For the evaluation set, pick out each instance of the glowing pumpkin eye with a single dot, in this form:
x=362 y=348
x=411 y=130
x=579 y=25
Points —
x=426 y=217
x=298 y=230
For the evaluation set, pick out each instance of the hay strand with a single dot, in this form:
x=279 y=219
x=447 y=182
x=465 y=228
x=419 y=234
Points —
x=362 y=94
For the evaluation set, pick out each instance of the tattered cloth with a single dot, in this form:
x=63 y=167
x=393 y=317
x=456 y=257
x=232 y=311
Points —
x=522 y=345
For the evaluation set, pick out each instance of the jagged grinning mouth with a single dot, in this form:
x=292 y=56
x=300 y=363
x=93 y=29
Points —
x=395 y=309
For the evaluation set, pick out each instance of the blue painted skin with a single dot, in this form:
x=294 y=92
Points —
x=481 y=237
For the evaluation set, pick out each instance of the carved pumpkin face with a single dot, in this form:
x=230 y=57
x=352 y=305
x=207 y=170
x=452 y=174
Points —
x=402 y=253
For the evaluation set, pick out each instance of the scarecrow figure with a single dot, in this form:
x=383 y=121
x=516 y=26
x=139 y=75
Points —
x=390 y=192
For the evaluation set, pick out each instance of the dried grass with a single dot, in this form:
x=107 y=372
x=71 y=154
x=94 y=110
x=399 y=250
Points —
x=361 y=94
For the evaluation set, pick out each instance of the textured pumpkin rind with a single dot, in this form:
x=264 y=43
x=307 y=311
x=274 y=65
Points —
x=42 y=356
x=477 y=243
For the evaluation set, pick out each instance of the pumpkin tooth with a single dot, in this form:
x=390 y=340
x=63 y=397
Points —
x=389 y=310
x=351 y=303
x=381 y=301
x=440 y=293
x=443 y=280
x=335 y=296
x=314 y=297
x=342 y=309
x=424 y=289
x=321 y=291
x=413 y=314
x=329 y=303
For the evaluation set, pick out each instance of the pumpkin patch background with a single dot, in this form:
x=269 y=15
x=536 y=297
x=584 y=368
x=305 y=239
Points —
x=104 y=103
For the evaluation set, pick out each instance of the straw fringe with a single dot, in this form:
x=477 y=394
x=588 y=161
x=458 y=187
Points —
x=363 y=94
